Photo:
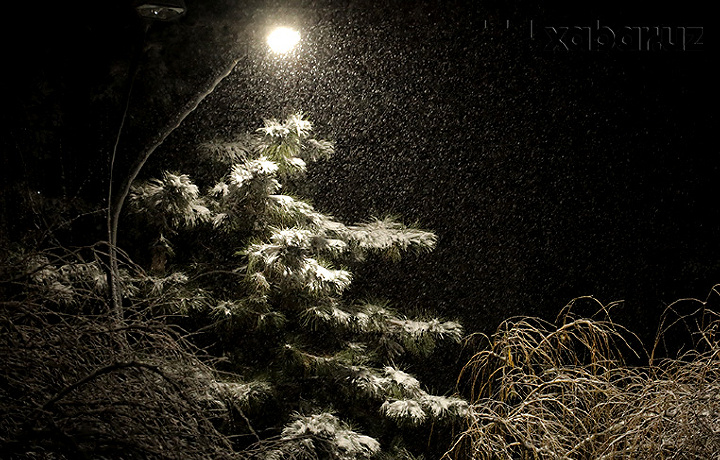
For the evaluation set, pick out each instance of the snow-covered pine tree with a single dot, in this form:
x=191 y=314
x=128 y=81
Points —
x=264 y=277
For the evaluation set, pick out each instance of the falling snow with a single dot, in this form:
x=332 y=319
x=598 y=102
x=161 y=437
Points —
x=545 y=175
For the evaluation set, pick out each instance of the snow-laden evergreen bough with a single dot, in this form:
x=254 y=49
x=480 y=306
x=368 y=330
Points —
x=308 y=369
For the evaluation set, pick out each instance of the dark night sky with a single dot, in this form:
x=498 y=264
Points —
x=547 y=174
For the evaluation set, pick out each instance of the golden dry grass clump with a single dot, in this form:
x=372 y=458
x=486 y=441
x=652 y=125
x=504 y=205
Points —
x=564 y=390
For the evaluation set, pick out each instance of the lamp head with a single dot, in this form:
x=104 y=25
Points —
x=161 y=10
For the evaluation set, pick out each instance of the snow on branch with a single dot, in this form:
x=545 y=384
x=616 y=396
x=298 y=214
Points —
x=390 y=237
x=380 y=323
x=288 y=142
x=286 y=260
x=171 y=201
x=319 y=435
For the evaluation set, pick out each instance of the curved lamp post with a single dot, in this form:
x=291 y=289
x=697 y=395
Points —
x=158 y=10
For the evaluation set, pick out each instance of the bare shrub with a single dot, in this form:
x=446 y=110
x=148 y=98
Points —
x=88 y=385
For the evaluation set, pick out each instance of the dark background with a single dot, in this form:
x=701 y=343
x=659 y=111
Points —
x=547 y=174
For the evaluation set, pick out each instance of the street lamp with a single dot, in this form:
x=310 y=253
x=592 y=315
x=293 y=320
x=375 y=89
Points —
x=162 y=10
x=152 y=10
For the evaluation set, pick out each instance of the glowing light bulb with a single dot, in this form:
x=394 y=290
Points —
x=283 y=39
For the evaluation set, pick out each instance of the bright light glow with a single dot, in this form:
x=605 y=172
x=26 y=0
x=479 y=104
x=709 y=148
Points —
x=283 y=39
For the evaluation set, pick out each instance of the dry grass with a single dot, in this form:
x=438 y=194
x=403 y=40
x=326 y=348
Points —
x=564 y=391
